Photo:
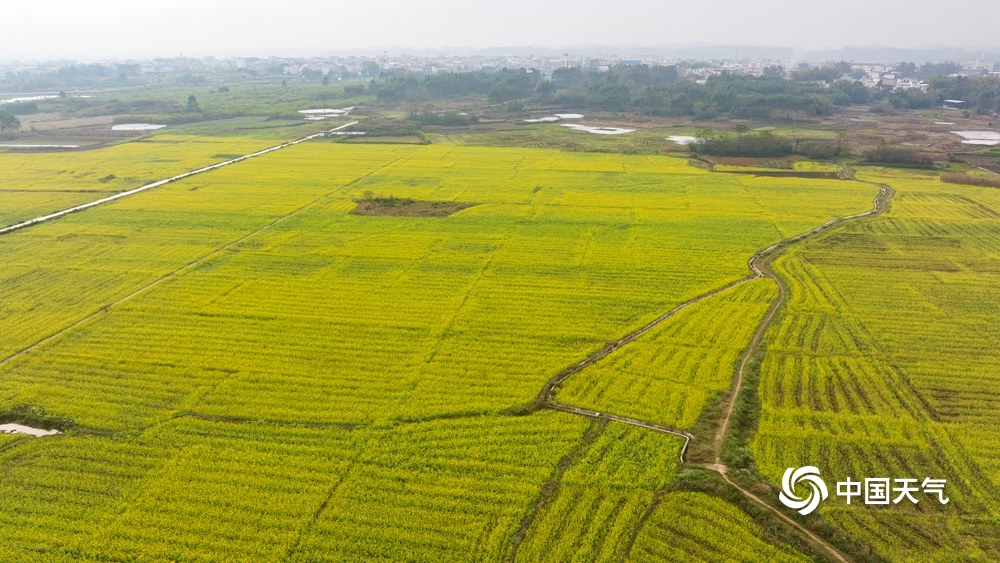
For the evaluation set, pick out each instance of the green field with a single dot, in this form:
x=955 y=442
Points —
x=247 y=371
x=884 y=365
x=669 y=376
x=697 y=527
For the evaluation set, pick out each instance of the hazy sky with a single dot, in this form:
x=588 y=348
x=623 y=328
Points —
x=37 y=29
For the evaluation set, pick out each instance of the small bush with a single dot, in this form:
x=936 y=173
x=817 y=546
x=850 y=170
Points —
x=895 y=155
x=821 y=150
x=753 y=144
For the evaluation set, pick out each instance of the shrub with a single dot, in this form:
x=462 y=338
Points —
x=957 y=178
x=753 y=144
x=895 y=155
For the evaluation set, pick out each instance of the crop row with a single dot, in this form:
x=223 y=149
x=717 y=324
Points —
x=38 y=184
x=882 y=365
x=244 y=491
x=697 y=527
x=601 y=498
x=315 y=337
x=669 y=374
x=331 y=317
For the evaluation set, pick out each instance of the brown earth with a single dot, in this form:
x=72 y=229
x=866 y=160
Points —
x=403 y=207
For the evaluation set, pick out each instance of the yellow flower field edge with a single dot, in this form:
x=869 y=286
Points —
x=879 y=365
x=39 y=184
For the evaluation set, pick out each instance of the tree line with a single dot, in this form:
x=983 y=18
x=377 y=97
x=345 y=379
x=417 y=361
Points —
x=659 y=90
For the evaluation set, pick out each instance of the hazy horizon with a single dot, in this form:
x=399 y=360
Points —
x=65 y=29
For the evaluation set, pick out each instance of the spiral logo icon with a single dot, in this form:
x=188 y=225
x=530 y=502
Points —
x=809 y=475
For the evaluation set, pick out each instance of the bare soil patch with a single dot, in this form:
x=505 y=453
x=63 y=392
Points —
x=405 y=207
x=784 y=173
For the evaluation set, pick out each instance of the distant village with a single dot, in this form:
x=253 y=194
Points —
x=883 y=75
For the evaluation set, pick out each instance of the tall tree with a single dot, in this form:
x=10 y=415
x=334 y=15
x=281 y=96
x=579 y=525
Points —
x=9 y=123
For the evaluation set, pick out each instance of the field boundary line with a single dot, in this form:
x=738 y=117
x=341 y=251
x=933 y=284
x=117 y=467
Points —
x=816 y=540
x=133 y=191
x=306 y=529
x=190 y=265
x=550 y=488
x=759 y=265
x=625 y=420
x=545 y=395
x=755 y=263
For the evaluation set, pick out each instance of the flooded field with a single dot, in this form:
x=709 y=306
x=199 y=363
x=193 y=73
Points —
x=598 y=130
x=683 y=139
x=137 y=127
x=27 y=146
x=22 y=429
x=982 y=138
x=24 y=99
x=555 y=117
x=319 y=114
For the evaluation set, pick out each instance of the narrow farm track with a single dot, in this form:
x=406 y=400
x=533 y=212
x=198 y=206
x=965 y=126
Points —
x=545 y=396
x=187 y=267
x=624 y=420
x=119 y=195
x=759 y=264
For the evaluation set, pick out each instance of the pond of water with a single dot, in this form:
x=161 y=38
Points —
x=136 y=127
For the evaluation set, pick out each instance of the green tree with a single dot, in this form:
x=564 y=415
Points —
x=193 y=106
x=775 y=71
x=9 y=124
x=853 y=91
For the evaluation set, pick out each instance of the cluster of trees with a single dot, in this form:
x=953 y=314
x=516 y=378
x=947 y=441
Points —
x=981 y=93
x=765 y=144
x=805 y=73
x=928 y=71
x=71 y=76
x=658 y=90
x=760 y=144
x=835 y=71
x=655 y=90
x=9 y=123
x=888 y=154
x=499 y=86
x=21 y=108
